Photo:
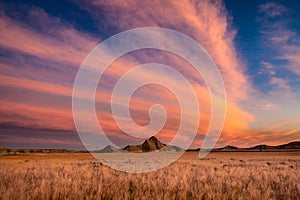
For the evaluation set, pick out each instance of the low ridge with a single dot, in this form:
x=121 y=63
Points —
x=109 y=149
x=153 y=144
x=227 y=148
x=291 y=145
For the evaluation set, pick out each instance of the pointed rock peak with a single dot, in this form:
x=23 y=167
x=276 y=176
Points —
x=153 y=138
x=152 y=144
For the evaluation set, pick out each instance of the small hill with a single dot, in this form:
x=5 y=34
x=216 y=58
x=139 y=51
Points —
x=227 y=148
x=109 y=149
x=262 y=146
x=152 y=144
x=171 y=148
x=291 y=145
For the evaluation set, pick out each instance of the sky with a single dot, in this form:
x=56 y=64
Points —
x=255 y=45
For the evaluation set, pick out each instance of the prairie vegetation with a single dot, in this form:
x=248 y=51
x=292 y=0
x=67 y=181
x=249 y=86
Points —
x=221 y=175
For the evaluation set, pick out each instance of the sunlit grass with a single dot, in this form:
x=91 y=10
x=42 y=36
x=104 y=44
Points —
x=262 y=175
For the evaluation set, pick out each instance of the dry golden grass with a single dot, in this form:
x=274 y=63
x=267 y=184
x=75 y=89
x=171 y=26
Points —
x=232 y=175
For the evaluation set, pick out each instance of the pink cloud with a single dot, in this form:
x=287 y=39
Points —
x=272 y=9
x=267 y=68
x=280 y=83
x=9 y=81
x=65 y=45
x=35 y=116
x=270 y=106
x=291 y=54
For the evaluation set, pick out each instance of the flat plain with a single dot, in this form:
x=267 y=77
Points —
x=220 y=175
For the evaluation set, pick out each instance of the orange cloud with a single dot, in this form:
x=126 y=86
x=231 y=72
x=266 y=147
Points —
x=39 y=86
x=34 y=116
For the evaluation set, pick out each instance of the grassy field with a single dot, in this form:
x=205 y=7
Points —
x=221 y=175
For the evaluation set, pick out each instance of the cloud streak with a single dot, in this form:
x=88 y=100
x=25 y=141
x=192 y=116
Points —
x=59 y=46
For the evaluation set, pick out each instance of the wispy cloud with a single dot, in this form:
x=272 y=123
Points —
x=270 y=106
x=272 y=9
x=281 y=39
x=35 y=72
x=267 y=69
x=291 y=55
x=67 y=46
x=280 y=83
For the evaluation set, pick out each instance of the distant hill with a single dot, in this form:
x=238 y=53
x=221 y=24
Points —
x=263 y=147
x=109 y=149
x=227 y=148
x=4 y=151
x=171 y=148
x=291 y=145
